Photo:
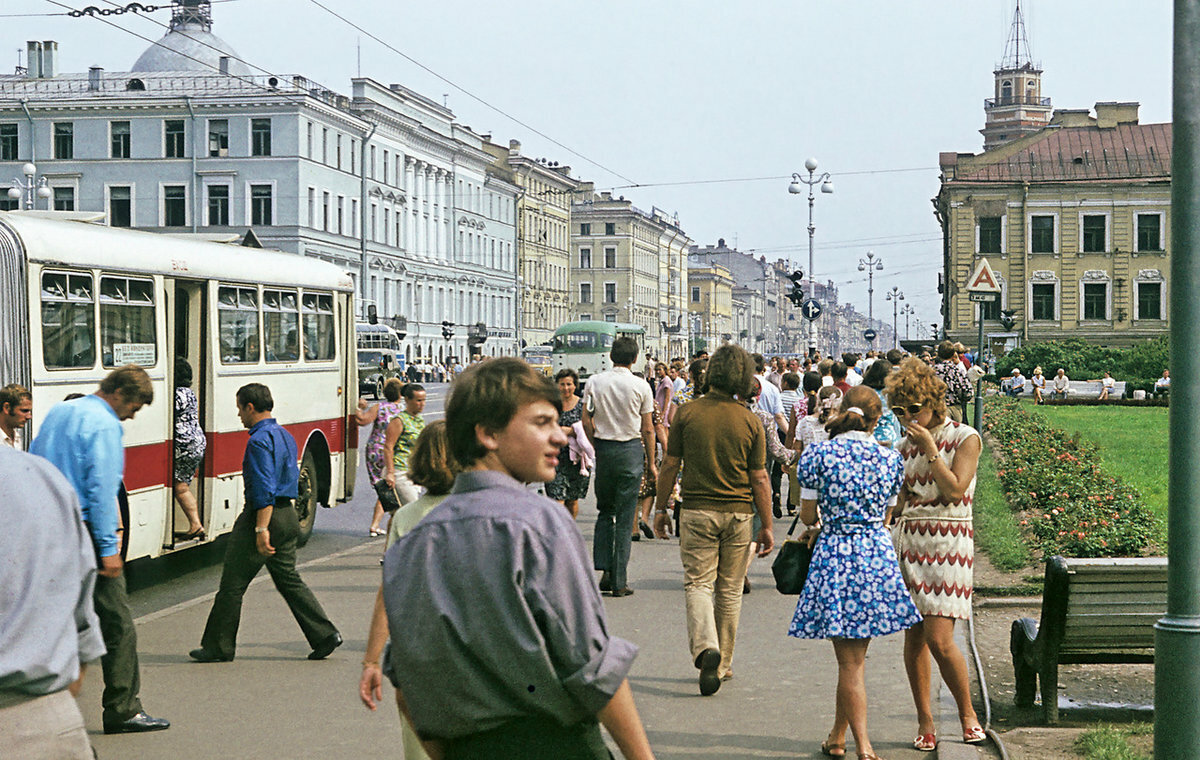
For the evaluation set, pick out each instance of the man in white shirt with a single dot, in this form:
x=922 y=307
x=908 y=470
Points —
x=617 y=407
x=770 y=401
x=853 y=377
x=16 y=409
x=1017 y=385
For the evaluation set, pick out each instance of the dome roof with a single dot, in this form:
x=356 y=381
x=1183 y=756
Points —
x=190 y=47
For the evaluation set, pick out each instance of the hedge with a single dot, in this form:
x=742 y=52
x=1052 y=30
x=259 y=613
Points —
x=1139 y=366
x=1066 y=503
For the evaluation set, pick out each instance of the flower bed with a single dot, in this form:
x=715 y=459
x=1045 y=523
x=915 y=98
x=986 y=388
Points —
x=1066 y=503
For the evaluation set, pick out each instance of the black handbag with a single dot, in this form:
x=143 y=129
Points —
x=387 y=496
x=790 y=567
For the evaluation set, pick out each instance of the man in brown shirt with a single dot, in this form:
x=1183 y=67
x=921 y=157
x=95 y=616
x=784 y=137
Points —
x=724 y=484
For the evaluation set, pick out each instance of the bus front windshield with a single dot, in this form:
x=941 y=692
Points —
x=369 y=358
x=582 y=342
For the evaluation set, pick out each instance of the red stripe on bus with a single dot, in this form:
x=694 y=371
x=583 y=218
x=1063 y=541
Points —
x=223 y=456
x=148 y=465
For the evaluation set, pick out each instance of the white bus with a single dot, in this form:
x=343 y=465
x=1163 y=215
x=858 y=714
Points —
x=78 y=299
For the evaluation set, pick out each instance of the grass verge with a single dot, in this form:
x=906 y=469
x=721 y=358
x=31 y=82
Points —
x=1112 y=742
x=996 y=529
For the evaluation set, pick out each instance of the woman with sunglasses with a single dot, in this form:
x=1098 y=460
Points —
x=935 y=540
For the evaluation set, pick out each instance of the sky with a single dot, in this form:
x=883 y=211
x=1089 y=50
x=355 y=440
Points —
x=708 y=106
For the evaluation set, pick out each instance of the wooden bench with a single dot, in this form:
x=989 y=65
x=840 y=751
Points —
x=1093 y=611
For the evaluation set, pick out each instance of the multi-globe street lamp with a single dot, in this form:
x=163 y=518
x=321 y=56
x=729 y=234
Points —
x=869 y=265
x=826 y=183
x=30 y=188
x=907 y=311
x=895 y=296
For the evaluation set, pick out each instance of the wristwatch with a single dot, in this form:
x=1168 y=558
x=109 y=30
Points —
x=261 y=529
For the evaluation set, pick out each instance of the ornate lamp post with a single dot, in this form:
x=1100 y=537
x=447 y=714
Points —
x=895 y=296
x=30 y=188
x=907 y=311
x=869 y=265
x=826 y=183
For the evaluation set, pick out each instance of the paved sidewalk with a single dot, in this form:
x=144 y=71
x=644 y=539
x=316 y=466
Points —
x=271 y=702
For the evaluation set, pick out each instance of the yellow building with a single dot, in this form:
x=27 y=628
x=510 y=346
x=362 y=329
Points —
x=710 y=302
x=543 y=239
x=628 y=265
x=1074 y=221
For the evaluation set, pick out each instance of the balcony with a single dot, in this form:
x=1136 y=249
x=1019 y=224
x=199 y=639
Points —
x=1015 y=100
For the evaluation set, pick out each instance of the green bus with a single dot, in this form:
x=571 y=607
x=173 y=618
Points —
x=584 y=346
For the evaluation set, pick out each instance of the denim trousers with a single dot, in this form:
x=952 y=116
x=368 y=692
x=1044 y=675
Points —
x=619 y=466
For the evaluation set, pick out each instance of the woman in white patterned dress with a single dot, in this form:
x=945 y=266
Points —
x=935 y=540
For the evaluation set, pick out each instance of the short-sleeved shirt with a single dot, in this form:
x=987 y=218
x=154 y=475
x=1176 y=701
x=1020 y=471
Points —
x=617 y=399
x=769 y=400
x=720 y=442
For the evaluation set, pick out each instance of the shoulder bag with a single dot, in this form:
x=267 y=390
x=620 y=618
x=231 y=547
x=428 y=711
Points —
x=790 y=567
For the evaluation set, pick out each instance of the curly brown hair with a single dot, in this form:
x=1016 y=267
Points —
x=915 y=382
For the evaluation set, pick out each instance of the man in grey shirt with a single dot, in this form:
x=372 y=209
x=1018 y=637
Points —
x=48 y=627
x=500 y=645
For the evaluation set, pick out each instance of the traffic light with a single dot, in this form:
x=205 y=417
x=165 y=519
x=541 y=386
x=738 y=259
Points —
x=447 y=329
x=1007 y=318
x=796 y=294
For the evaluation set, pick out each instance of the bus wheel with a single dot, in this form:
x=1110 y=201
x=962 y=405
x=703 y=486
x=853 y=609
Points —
x=306 y=499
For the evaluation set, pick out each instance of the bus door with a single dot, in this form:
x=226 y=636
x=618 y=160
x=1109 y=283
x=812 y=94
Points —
x=189 y=342
x=349 y=396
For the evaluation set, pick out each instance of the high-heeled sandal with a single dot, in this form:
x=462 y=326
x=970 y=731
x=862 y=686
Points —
x=925 y=742
x=974 y=735
x=830 y=749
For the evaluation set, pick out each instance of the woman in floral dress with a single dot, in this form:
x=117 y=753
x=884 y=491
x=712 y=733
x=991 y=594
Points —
x=378 y=417
x=935 y=540
x=189 y=448
x=854 y=590
x=569 y=485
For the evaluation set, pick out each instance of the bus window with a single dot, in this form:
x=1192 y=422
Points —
x=237 y=324
x=127 y=322
x=68 y=320
x=318 y=327
x=281 y=325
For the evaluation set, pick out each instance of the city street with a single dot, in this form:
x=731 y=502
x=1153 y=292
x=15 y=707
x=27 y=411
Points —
x=271 y=702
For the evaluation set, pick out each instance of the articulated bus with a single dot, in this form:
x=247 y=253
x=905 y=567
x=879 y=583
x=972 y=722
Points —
x=78 y=299
x=584 y=346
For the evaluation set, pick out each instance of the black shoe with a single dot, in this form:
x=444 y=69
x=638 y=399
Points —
x=746 y=585
x=709 y=663
x=326 y=647
x=605 y=581
x=636 y=537
x=647 y=531
x=775 y=510
x=203 y=655
x=623 y=592
x=139 y=723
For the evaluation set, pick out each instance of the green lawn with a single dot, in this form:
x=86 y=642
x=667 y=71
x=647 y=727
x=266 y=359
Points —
x=996 y=531
x=1132 y=443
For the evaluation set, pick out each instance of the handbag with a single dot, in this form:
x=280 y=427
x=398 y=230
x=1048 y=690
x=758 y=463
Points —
x=790 y=567
x=387 y=496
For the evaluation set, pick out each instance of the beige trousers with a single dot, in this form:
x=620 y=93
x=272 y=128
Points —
x=713 y=547
x=44 y=728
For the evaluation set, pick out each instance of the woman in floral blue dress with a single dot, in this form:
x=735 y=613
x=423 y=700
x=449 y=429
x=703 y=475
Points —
x=854 y=590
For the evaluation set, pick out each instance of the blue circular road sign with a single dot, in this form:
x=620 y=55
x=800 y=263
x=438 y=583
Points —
x=869 y=334
x=810 y=309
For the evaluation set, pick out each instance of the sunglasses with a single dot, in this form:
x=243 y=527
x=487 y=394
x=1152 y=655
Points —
x=912 y=410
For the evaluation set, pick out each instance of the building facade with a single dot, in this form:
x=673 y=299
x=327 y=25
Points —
x=382 y=182
x=710 y=305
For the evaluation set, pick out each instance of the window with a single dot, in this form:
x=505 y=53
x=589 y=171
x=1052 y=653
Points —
x=312 y=207
x=585 y=317
x=127 y=322
x=610 y=292
x=585 y=292
x=585 y=229
x=1041 y=234
x=695 y=294
x=119 y=137
x=64 y=199
x=68 y=320
x=324 y=145
x=353 y=156
x=9 y=204
x=237 y=324
x=610 y=258
x=8 y=142
x=319 y=337
x=260 y=137
x=218 y=205
x=610 y=228
x=120 y=206
x=325 y=211
x=585 y=258
x=281 y=325
x=1042 y=302
x=610 y=317
x=1095 y=300
x=1149 y=300
x=64 y=140
x=175 y=206
x=1095 y=239
x=341 y=214
x=173 y=138
x=371 y=170
x=218 y=137
x=989 y=234
x=386 y=161
x=309 y=141
x=1149 y=232
x=990 y=310
x=262 y=205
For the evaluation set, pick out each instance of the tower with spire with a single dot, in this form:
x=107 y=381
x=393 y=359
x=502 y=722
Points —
x=1017 y=107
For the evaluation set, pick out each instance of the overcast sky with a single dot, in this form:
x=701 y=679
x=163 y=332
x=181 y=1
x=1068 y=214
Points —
x=691 y=91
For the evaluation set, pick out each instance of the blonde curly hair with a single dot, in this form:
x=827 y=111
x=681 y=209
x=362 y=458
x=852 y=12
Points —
x=915 y=382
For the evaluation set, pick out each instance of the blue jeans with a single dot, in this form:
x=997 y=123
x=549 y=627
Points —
x=619 y=467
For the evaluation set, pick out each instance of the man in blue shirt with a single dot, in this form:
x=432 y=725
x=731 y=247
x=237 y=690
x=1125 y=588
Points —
x=83 y=439
x=264 y=534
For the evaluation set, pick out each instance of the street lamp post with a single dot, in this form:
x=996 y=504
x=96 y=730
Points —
x=869 y=265
x=31 y=187
x=895 y=296
x=826 y=183
x=907 y=311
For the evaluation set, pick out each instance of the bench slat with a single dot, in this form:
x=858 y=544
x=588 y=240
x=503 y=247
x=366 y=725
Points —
x=1085 y=625
x=1099 y=563
x=1124 y=589
x=1111 y=608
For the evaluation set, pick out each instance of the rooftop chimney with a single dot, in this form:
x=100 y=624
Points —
x=223 y=64
x=95 y=74
x=1109 y=115
x=514 y=147
x=49 y=59
x=33 y=59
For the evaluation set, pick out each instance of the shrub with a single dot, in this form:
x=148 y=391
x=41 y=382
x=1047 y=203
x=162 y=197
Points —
x=1067 y=503
x=1139 y=366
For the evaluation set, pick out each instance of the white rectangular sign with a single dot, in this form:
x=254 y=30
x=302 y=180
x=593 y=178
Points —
x=141 y=354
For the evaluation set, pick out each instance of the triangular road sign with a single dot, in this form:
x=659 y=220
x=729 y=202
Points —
x=983 y=280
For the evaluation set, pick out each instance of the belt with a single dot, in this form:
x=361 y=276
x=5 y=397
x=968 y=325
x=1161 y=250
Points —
x=284 y=501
